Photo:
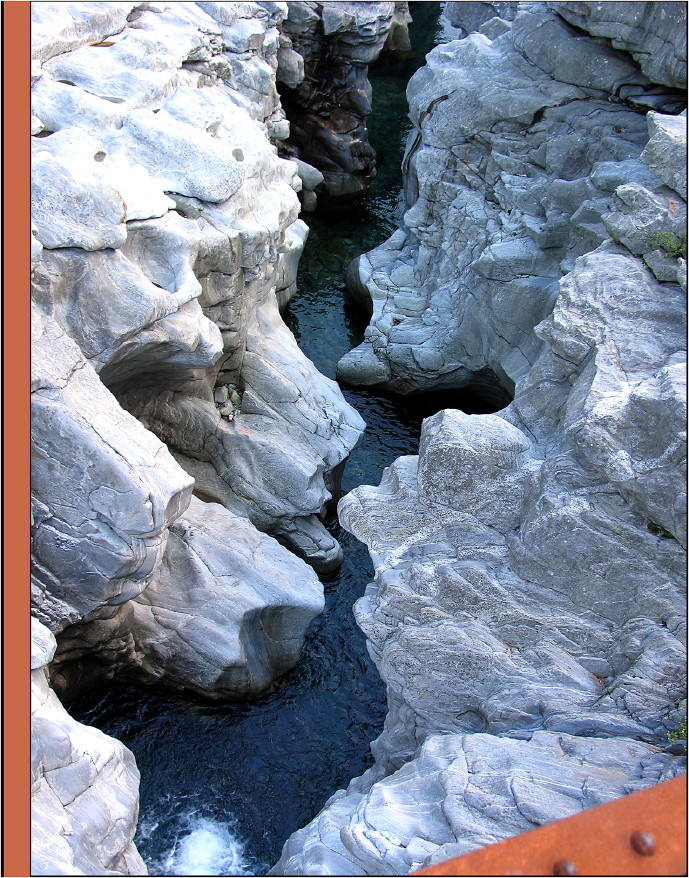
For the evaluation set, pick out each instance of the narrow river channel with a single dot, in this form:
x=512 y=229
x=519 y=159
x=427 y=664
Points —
x=223 y=786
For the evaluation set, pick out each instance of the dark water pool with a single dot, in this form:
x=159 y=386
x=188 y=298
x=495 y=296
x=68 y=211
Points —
x=223 y=786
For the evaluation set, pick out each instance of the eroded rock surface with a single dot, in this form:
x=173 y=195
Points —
x=654 y=33
x=215 y=618
x=463 y=789
x=165 y=240
x=523 y=156
x=529 y=592
x=328 y=100
x=528 y=608
x=84 y=786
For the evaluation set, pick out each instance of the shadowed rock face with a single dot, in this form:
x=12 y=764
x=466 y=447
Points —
x=655 y=34
x=327 y=109
x=528 y=608
x=165 y=238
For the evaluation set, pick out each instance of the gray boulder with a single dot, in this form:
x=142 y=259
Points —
x=178 y=156
x=71 y=210
x=104 y=489
x=547 y=41
x=461 y=792
x=223 y=616
x=57 y=28
x=665 y=151
x=471 y=17
x=479 y=462
x=641 y=220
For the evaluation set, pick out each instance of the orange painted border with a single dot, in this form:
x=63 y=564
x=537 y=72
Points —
x=597 y=841
x=16 y=702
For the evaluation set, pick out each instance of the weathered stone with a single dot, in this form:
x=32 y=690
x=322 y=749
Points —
x=72 y=211
x=105 y=489
x=290 y=67
x=528 y=606
x=478 y=461
x=471 y=17
x=641 y=219
x=552 y=45
x=178 y=156
x=310 y=177
x=626 y=411
x=503 y=196
x=654 y=33
x=224 y=615
x=295 y=239
x=122 y=322
x=328 y=114
x=57 y=28
x=530 y=582
x=84 y=786
x=309 y=201
x=397 y=42
x=666 y=151
x=461 y=792
x=170 y=232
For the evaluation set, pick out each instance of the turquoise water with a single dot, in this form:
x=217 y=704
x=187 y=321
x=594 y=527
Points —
x=223 y=786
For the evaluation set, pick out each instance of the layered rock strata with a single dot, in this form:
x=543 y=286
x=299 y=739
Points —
x=328 y=100
x=177 y=429
x=528 y=613
x=520 y=140
x=654 y=34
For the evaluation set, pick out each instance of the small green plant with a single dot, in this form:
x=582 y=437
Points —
x=679 y=734
x=671 y=245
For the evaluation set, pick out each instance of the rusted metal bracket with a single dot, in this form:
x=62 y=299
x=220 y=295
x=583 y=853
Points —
x=644 y=833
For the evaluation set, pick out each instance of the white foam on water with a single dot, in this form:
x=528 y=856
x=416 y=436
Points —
x=207 y=848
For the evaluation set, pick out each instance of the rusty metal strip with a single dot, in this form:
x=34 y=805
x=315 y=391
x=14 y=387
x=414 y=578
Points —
x=644 y=833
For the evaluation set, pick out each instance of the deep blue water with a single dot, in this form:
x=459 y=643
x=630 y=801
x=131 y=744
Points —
x=223 y=786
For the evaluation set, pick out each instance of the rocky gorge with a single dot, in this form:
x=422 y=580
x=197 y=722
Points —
x=527 y=613
x=184 y=450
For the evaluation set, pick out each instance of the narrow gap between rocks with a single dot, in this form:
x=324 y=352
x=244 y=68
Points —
x=241 y=762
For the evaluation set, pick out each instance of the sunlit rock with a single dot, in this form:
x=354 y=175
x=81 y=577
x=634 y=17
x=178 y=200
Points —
x=224 y=615
x=166 y=234
x=465 y=791
x=84 y=786
x=528 y=608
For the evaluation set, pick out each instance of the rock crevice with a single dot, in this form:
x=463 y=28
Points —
x=179 y=434
x=528 y=608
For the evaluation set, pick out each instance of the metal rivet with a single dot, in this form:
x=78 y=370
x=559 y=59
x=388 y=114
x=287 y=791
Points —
x=564 y=867
x=643 y=843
